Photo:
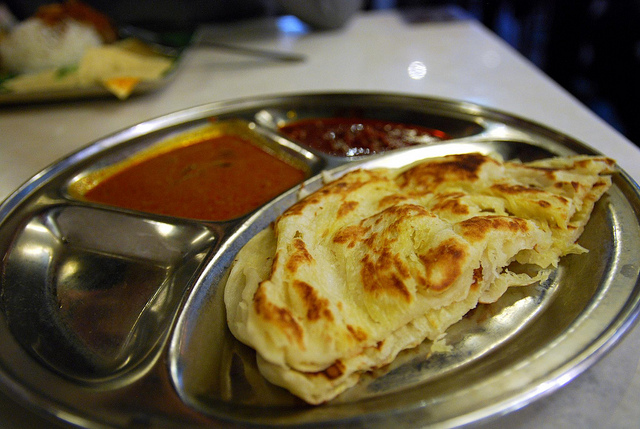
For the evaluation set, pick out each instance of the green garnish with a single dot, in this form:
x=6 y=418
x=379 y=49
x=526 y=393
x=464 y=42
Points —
x=66 y=70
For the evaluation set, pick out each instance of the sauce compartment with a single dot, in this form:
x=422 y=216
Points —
x=356 y=136
x=382 y=124
x=92 y=293
x=219 y=171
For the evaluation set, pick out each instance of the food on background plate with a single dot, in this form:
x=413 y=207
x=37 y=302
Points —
x=377 y=261
x=218 y=172
x=56 y=36
x=358 y=136
x=34 y=46
x=70 y=45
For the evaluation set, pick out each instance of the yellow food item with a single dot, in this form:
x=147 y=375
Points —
x=118 y=67
x=379 y=260
x=121 y=87
x=106 y=62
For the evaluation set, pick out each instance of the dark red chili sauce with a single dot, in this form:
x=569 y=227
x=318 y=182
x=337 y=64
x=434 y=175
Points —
x=216 y=179
x=357 y=136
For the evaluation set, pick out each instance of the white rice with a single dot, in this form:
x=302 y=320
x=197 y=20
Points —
x=34 y=46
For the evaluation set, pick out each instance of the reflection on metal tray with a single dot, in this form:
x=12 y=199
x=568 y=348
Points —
x=111 y=284
x=123 y=308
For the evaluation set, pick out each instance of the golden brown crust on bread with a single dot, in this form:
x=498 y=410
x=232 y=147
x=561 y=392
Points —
x=377 y=261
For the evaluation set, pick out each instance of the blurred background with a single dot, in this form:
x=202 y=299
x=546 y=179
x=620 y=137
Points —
x=589 y=47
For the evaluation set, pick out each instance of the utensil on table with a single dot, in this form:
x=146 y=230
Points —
x=170 y=47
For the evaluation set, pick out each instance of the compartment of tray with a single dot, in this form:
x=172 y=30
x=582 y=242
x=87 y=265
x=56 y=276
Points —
x=450 y=119
x=92 y=293
x=218 y=171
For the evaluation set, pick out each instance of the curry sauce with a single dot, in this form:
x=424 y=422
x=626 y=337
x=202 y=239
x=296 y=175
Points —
x=218 y=178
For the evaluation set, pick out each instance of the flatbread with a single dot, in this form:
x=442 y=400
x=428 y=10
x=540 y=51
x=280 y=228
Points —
x=379 y=260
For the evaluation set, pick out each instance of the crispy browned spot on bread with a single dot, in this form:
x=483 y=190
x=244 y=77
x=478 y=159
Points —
x=317 y=307
x=551 y=174
x=346 y=207
x=382 y=271
x=583 y=163
x=476 y=228
x=403 y=211
x=382 y=276
x=450 y=202
x=575 y=165
x=347 y=184
x=426 y=177
x=278 y=316
x=561 y=199
x=391 y=200
x=442 y=264
x=528 y=190
x=350 y=235
x=299 y=256
x=515 y=189
x=351 y=181
x=575 y=185
x=274 y=264
x=357 y=333
x=297 y=209
x=334 y=371
x=523 y=190
x=477 y=278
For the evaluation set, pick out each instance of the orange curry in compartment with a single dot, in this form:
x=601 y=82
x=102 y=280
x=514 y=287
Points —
x=221 y=177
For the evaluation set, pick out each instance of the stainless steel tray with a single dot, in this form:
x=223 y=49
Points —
x=114 y=317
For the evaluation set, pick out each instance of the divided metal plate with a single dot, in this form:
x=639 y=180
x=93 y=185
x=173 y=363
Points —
x=114 y=317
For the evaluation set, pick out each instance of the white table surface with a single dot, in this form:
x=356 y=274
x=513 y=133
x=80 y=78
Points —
x=463 y=61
